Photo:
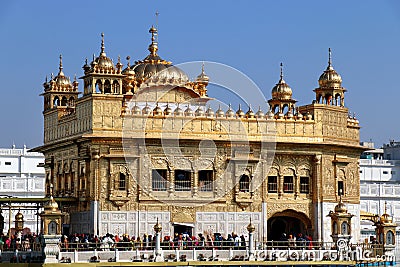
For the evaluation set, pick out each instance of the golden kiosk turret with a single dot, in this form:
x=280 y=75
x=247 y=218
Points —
x=341 y=222
x=51 y=229
x=386 y=232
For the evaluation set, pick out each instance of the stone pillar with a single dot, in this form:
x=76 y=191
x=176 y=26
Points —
x=195 y=181
x=171 y=180
x=158 y=251
x=251 y=229
x=280 y=185
x=297 y=185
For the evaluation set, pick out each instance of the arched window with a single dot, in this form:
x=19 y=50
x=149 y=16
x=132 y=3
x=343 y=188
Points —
x=389 y=238
x=159 y=180
x=272 y=184
x=205 y=180
x=107 y=87
x=122 y=181
x=115 y=87
x=99 y=86
x=64 y=101
x=275 y=110
x=335 y=230
x=288 y=184
x=244 y=183
x=56 y=101
x=182 y=180
x=304 y=185
x=71 y=101
x=345 y=228
x=285 y=108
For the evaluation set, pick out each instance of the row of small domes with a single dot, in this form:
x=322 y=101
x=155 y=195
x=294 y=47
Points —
x=209 y=112
x=161 y=70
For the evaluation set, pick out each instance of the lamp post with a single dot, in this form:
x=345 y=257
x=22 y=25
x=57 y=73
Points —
x=19 y=224
x=251 y=228
x=1 y=222
x=158 y=229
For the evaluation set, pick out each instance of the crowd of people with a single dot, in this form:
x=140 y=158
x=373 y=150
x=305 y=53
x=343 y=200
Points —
x=180 y=241
x=26 y=242
x=294 y=241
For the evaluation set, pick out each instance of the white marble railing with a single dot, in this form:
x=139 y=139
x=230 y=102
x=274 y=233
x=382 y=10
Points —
x=388 y=190
x=378 y=162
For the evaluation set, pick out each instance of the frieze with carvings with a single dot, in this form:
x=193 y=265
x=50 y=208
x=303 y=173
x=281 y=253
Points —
x=183 y=214
x=273 y=208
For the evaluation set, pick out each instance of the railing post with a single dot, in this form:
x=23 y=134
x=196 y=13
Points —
x=137 y=253
x=116 y=255
x=194 y=254
x=251 y=229
x=75 y=255
x=157 y=251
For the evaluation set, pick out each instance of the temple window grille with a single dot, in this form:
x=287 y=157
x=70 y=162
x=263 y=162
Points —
x=304 y=185
x=244 y=183
x=288 y=184
x=122 y=181
x=206 y=180
x=159 y=180
x=272 y=184
x=182 y=180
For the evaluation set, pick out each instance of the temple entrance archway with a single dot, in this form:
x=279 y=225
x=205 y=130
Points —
x=289 y=222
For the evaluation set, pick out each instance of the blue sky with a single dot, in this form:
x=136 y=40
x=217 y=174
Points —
x=251 y=36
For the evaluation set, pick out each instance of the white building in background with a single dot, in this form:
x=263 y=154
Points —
x=21 y=177
x=380 y=183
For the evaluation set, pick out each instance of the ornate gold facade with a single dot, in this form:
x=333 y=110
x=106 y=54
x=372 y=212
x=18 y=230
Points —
x=106 y=173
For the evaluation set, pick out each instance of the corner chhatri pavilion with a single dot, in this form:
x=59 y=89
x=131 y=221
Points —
x=115 y=168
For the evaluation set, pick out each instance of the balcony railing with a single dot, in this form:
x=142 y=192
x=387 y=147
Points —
x=222 y=251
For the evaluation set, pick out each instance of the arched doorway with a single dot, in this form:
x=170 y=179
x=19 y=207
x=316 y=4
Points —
x=289 y=222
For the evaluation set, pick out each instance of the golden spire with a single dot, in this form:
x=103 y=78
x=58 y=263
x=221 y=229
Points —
x=330 y=59
x=157 y=13
x=61 y=67
x=281 y=75
x=102 y=45
x=153 y=47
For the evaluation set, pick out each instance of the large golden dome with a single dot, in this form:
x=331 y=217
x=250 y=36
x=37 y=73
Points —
x=156 y=70
x=330 y=78
x=282 y=90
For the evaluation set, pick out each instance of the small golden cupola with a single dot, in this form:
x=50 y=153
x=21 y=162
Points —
x=202 y=81
x=155 y=70
x=202 y=77
x=60 y=91
x=330 y=90
x=101 y=76
x=282 y=104
x=102 y=63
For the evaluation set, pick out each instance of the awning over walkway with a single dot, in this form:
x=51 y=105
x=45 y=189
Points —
x=183 y=224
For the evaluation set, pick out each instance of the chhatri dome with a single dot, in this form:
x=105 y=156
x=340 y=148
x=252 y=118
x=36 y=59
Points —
x=102 y=63
x=330 y=78
x=281 y=90
x=159 y=70
x=61 y=80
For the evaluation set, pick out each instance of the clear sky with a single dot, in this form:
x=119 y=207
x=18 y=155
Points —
x=251 y=36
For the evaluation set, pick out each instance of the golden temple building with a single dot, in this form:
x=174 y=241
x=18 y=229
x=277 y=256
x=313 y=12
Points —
x=140 y=144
